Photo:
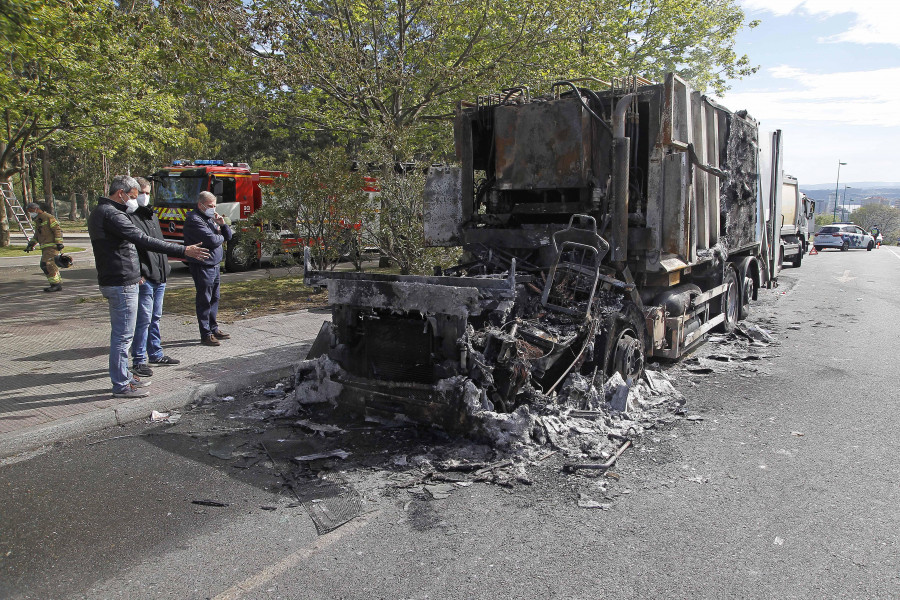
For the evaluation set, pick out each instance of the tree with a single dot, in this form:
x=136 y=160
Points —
x=886 y=218
x=360 y=66
x=321 y=203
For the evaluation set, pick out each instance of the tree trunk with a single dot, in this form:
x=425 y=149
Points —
x=24 y=175
x=85 y=212
x=48 y=179
x=73 y=206
x=5 y=218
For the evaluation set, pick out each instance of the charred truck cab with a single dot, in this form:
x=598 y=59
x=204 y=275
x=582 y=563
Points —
x=237 y=189
x=599 y=228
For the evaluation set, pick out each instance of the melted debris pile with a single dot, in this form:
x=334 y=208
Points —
x=586 y=422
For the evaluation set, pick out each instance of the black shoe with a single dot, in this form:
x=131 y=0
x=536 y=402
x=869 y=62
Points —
x=165 y=360
x=209 y=340
x=142 y=369
x=221 y=335
x=53 y=288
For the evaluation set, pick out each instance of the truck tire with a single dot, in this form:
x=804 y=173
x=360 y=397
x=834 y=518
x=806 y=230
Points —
x=622 y=347
x=729 y=302
x=797 y=259
x=748 y=286
x=237 y=257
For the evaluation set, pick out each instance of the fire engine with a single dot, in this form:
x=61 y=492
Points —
x=238 y=191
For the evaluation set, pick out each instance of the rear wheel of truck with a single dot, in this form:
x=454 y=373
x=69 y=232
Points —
x=748 y=287
x=730 y=302
x=797 y=259
x=623 y=345
x=238 y=257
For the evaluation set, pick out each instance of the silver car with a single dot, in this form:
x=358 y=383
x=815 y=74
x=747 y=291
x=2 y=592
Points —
x=844 y=236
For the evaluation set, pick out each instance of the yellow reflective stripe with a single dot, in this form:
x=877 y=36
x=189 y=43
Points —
x=49 y=245
x=55 y=279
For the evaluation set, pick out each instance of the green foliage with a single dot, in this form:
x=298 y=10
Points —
x=321 y=203
x=356 y=67
x=886 y=218
x=824 y=219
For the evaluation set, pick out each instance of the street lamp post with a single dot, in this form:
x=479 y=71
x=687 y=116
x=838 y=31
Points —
x=844 y=205
x=836 y=185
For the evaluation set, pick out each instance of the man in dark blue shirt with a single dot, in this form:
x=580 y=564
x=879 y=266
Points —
x=203 y=226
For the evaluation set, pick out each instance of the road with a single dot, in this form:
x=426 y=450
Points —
x=784 y=489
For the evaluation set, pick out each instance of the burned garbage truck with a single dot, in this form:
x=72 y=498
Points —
x=598 y=228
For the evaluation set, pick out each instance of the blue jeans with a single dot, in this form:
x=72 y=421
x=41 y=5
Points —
x=147 y=341
x=123 y=303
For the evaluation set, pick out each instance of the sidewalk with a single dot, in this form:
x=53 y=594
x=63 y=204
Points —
x=54 y=380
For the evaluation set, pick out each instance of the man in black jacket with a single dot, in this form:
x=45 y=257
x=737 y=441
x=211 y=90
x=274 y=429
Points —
x=147 y=342
x=114 y=237
x=204 y=227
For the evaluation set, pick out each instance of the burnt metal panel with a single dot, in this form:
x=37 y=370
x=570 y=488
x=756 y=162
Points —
x=542 y=146
x=398 y=350
x=676 y=222
x=444 y=206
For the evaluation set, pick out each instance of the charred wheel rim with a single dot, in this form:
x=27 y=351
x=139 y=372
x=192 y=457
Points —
x=732 y=303
x=628 y=356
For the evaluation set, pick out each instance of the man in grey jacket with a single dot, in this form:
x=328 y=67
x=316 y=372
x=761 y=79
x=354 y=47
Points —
x=114 y=238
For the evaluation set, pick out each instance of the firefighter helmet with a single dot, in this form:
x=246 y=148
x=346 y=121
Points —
x=63 y=261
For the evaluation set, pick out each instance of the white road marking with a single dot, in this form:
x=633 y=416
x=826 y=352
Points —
x=846 y=277
x=892 y=251
x=293 y=560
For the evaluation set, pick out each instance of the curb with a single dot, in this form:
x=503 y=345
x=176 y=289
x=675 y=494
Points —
x=127 y=412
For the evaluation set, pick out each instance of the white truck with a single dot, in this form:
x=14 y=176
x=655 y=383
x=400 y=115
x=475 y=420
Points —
x=797 y=210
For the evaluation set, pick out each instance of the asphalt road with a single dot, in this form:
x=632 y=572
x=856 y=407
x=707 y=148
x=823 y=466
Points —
x=784 y=489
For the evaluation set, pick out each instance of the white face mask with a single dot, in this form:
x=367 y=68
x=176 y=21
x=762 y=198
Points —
x=131 y=205
x=33 y=215
x=210 y=212
x=143 y=199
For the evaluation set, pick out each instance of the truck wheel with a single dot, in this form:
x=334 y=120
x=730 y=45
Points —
x=238 y=257
x=797 y=259
x=845 y=246
x=624 y=344
x=729 y=302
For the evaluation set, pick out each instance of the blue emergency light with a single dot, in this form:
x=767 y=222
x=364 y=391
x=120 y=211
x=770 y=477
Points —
x=209 y=162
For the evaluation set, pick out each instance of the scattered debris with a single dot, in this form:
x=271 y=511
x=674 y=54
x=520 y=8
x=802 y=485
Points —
x=586 y=502
x=209 y=503
x=156 y=416
x=342 y=454
x=797 y=433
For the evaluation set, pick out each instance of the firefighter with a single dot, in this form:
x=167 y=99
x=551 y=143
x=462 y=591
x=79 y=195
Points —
x=48 y=234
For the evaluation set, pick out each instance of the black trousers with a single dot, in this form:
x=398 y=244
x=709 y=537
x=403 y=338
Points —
x=206 y=281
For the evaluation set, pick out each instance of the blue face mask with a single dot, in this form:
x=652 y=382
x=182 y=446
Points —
x=210 y=212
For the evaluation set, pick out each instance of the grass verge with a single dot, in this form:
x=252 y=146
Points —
x=252 y=298
x=12 y=251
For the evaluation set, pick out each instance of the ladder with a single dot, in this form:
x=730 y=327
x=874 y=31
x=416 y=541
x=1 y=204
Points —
x=21 y=216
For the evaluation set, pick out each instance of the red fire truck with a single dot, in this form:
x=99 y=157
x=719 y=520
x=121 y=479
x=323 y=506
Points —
x=236 y=187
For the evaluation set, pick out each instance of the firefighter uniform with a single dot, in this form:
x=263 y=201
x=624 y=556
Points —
x=47 y=235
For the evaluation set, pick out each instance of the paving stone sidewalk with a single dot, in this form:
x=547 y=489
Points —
x=54 y=348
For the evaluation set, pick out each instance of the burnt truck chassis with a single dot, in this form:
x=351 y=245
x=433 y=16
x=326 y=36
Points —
x=590 y=243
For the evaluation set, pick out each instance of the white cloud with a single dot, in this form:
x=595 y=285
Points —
x=856 y=97
x=877 y=21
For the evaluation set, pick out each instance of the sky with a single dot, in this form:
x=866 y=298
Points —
x=829 y=78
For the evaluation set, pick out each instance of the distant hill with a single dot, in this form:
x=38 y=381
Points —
x=880 y=185
x=856 y=193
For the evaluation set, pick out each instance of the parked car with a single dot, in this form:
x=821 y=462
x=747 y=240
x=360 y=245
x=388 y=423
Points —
x=844 y=236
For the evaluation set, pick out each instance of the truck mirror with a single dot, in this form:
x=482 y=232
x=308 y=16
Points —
x=218 y=186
